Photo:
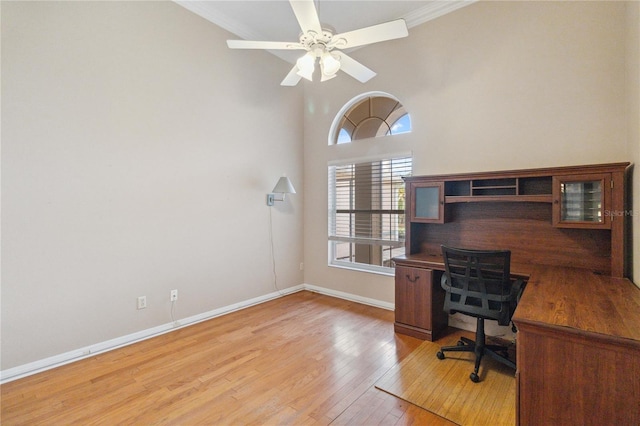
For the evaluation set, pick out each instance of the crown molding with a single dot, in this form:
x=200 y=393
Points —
x=434 y=10
x=230 y=24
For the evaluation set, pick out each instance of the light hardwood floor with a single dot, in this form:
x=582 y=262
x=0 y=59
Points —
x=302 y=359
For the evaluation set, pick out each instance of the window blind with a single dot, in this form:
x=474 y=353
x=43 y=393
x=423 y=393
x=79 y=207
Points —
x=367 y=201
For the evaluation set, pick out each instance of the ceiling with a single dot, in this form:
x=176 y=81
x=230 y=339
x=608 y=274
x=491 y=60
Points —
x=273 y=20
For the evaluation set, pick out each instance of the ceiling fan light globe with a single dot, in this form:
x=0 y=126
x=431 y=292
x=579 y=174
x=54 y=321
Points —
x=306 y=65
x=325 y=77
x=308 y=76
x=330 y=65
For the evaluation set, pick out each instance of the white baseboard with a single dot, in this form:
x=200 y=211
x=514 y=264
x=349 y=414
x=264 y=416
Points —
x=24 y=370
x=352 y=297
x=31 y=368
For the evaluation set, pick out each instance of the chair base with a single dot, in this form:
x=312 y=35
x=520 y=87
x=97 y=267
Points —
x=480 y=349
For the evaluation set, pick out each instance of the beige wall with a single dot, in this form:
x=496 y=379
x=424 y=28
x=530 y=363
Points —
x=137 y=151
x=492 y=86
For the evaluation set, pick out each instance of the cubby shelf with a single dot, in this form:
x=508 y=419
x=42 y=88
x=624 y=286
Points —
x=536 y=189
x=497 y=198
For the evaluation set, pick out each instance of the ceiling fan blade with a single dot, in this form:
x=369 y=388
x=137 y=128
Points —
x=307 y=15
x=292 y=78
x=374 y=34
x=354 y=68
x=273 y=45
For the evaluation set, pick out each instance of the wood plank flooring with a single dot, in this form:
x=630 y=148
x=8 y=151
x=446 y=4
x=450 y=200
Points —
x=301 y=359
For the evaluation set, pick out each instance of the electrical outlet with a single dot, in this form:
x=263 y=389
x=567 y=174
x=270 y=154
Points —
x=301 y=266
x=142 y=302
x=174 y=295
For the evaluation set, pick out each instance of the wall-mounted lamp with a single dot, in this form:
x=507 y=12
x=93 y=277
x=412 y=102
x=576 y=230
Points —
x=284 y=186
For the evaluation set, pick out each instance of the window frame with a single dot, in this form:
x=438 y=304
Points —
x=333 y=209
x=334 y=131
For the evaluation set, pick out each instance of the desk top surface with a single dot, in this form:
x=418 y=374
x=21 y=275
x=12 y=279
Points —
x=436 y=262
x=582 y=301
x=573 y=299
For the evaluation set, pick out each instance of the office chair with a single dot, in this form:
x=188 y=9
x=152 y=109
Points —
x=478 y=284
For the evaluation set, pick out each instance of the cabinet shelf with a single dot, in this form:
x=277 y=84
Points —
x=495 y=187
x=494 y=198
x=534 y=189
x=488 y=191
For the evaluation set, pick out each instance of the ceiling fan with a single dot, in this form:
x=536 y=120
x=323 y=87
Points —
x=321 y=42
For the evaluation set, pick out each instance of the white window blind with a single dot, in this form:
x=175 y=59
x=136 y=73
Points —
x=366 y=211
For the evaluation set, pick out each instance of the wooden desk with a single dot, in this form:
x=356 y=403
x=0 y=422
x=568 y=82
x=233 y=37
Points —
x=577 y=346
x=578 y=349
x=578 y=341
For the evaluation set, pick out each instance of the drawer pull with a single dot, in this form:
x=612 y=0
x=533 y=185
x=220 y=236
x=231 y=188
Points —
x=414 y=279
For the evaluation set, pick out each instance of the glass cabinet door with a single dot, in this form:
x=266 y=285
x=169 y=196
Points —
x=581 y=201
x=427 y=202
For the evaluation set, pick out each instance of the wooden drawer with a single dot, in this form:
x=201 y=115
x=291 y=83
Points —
x=419 y=302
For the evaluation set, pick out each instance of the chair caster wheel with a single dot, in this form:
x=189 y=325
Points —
x=440 y=355
x=474 y=378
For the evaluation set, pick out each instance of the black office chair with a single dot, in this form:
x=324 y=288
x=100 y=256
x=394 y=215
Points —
x=478 y=284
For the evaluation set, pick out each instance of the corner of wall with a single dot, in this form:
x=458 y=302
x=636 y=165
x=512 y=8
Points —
x=633 y=128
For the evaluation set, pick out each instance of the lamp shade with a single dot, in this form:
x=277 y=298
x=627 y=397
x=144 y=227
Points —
x=284 y=186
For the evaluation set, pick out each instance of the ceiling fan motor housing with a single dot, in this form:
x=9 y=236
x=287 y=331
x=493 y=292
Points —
x=313 y=41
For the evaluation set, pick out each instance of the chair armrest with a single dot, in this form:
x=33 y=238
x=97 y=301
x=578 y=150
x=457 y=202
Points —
x=444 y=283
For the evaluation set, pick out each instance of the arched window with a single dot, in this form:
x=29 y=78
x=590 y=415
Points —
x=370 y=116
x=366 y=197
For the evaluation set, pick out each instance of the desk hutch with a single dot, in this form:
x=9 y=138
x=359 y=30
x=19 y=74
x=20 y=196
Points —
x=578 y=340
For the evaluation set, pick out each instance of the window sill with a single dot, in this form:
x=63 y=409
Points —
x=378 y=270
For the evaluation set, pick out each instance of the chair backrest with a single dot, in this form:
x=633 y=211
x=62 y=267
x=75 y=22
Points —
x=478 y=283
